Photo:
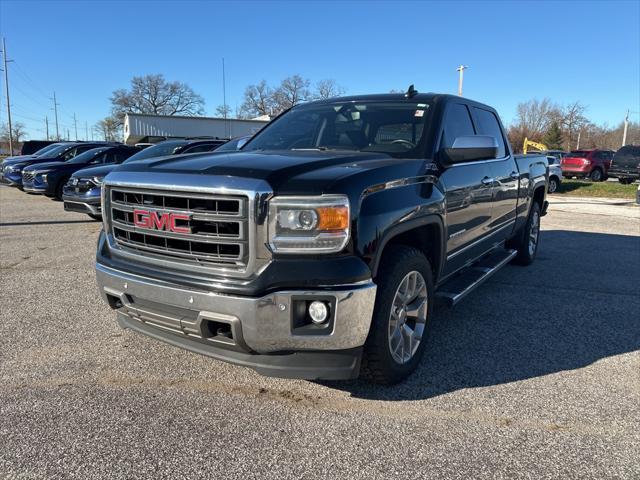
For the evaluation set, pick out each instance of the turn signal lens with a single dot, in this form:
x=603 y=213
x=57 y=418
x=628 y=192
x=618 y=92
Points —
x=333 y=218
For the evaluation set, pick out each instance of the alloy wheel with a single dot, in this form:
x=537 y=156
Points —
x=408 y=317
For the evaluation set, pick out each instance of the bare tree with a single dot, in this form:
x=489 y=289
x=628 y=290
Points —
x=536 y=116
x=292 y=91
x=223 y=111
x=18 y=130
x=154 y=95
x=573 y=120
x=328 y=88
x=258 y=100
x=109 y=128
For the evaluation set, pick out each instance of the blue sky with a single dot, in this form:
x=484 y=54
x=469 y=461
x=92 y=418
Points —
x=567 y=51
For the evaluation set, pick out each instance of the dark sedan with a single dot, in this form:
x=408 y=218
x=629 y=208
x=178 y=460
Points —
x=11 y=169
x=82 y=191
x=49 y=177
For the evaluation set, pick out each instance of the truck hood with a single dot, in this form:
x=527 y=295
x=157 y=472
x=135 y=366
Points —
x=290 y=171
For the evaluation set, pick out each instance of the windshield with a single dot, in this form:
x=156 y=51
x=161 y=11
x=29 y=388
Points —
x=164 y=148
x=88 y=156
x=395 y=128
x=46 y=149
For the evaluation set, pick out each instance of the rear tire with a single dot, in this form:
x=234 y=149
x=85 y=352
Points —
x=401 y=317
x=625 y=181
x=553 y=184
x=596 y=175
x=526 y=243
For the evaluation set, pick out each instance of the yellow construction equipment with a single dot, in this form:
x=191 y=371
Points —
x=541 y=147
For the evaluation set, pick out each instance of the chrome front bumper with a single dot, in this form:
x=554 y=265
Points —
x=81 y=207
x=261 y=329
x=34 y=189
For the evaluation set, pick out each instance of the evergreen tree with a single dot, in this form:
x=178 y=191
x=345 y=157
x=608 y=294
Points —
x=553 y=137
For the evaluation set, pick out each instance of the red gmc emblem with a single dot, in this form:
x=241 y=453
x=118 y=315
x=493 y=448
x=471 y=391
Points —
x=160 y=221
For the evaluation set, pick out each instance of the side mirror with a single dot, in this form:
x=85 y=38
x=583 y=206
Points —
x=469 y=149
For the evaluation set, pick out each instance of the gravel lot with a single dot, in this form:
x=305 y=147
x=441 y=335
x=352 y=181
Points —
x=535 y=375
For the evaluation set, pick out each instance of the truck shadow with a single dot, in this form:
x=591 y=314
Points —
x=577 y=304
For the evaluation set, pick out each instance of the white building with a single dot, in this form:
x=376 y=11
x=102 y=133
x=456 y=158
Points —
x=143 y=127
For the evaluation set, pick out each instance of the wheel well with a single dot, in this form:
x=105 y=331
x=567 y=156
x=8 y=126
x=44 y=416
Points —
x=538 y=196
x=426 y=238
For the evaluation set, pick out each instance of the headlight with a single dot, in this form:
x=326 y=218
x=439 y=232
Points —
x=97 y=180
x=309 y=224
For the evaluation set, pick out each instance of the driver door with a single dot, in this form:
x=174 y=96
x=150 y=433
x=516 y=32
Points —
x=468 y=197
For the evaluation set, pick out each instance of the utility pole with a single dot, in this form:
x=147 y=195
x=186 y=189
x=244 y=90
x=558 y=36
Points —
x=75 y=124
x=46 y=126
x=626 y=126
x=86 y=131
x=578 y=144
x=461 y=70
x=224 y=99
x=6 y=85
x=55 y=109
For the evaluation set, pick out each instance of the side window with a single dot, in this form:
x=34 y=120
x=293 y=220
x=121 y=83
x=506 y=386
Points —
x=98 y=159
x=205 y=147
x=487 y=124
x=70 y=154
x=117 y=156
x=457 y=124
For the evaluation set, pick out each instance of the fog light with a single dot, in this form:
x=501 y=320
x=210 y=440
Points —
x=318 y=312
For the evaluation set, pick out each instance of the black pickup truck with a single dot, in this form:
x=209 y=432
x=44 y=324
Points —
x=320 y=248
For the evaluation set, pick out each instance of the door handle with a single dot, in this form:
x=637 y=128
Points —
x=488 y=181
x=515 y=175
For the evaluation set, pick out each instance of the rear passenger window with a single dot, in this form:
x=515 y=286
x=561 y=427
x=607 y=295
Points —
x=457 y=124
x=487 y=124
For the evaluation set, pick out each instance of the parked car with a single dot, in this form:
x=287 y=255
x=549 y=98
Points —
x=234 y=144
x=32 y=146
x=82 y=191
x=555 y=174
x=322 y=245
x=593 y=164
x=626 y=164
x=12 y=169
x=49 y=178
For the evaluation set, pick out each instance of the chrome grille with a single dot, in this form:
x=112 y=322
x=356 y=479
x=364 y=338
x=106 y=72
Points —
x=218 y=226
x=28 y=177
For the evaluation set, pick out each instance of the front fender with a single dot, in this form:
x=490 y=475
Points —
x=390 y=210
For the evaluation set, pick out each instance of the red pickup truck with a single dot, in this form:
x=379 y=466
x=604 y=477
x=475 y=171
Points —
x=593 y=164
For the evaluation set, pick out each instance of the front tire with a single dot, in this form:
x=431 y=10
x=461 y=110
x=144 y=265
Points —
x=401 y=317
x=553 y=184
x=625 y=181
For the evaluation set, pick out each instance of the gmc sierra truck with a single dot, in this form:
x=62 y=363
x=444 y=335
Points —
x=319 y=249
